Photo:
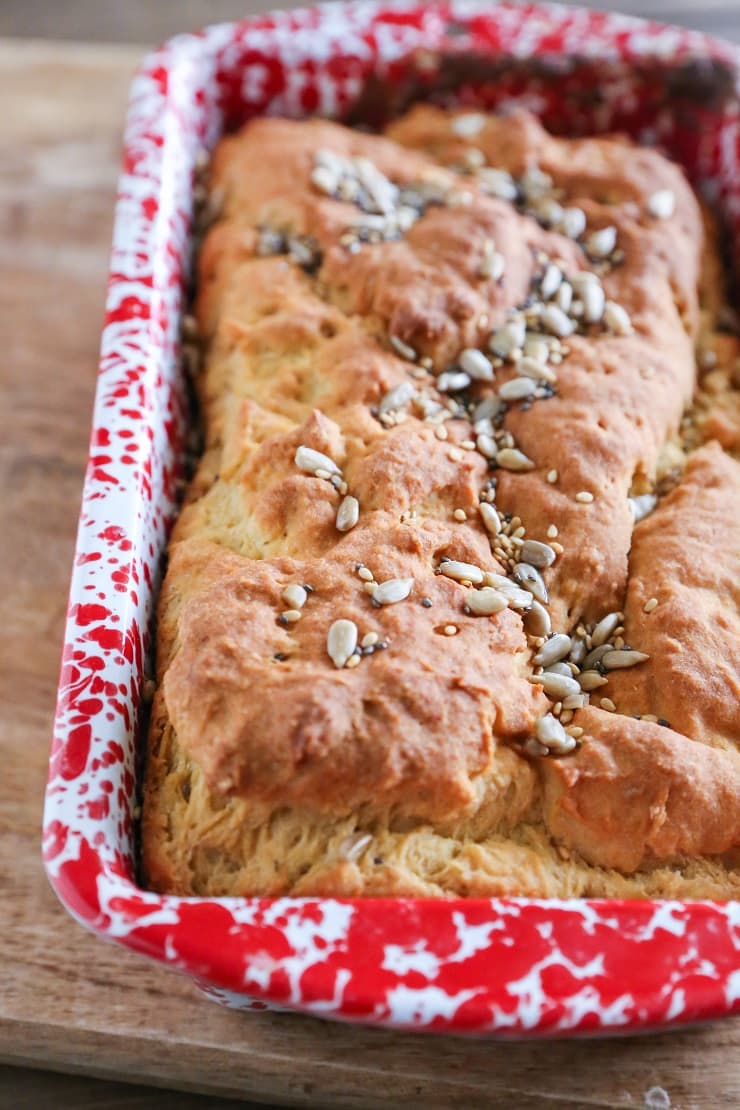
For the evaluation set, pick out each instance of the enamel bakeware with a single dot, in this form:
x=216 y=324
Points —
x=495 y=966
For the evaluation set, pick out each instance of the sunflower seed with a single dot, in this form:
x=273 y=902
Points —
x=555 y=320
x=535 y=183
x=341 y=641
x=452 y=381
x=485 y=601
x=533 y=747
x=498 y=183
x=559 y=668
x=603 y=630
x=578 y=651
x=564 y=297
x=310 y=461
x=488 y=408
x=553 y=650
x=575 y=701
x=573 y=222
x=531 y=579
x=348 y=514
x=403 y=349
x=515 y=596
x=537 y=620
x=593 y=302
x=352 y=847
x=550 y=281
x=551 y=733
x=324 y=179
x=487 y=446
x=508 y=338
x=600 y=244
x=493 y=265
x=295 y=596
x=517 y=389
x=537 y=554
x=557 y=685
x=537 y=346
x=617 y=319
x=476 y=365
x=468 y=125
x=489 y=516
x=461 y=572
x=511 y=458
x=662 y=204
x=531 y=368
x=596 y=655
x=397 y=397
x=591 y=680
x=642 y=505
x=618 y=660
x=392 y=590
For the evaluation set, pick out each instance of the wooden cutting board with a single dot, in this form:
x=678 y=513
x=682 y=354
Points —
x=69 y=1001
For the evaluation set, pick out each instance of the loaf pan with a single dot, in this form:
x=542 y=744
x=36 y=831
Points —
x=501 y=967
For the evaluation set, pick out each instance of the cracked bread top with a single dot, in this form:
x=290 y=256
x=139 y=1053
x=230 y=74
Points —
x=445 y=380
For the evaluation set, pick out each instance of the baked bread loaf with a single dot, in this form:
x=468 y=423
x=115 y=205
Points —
x=453 y=605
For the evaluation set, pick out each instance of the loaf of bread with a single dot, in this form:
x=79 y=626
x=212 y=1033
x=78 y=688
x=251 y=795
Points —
x=453 y=605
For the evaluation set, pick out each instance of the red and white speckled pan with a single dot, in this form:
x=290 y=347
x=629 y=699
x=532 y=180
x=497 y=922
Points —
x=498 y=966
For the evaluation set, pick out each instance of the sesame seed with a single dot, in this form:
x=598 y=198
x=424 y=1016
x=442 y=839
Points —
x=440 y=432
x=557 y=548
x=365 y=574
x=426 y=602
x=608 y=704
x=450 y=630
x=552 y=476
x=552 y=531
x=468 y=444
x=584 y=497
x=353 y=661
x=291 y=615
x=460 y=514
x=650 y=605
x=575 y=731
x=454 y=454
x=369 y=587
x=369 y=639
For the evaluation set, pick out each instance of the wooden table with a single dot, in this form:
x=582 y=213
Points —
x=67 y=1001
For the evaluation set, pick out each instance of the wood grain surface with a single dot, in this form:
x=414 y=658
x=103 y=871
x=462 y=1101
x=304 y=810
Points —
x=67 y=1001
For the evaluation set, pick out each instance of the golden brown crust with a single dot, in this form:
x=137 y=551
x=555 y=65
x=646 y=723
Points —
x=270 y=770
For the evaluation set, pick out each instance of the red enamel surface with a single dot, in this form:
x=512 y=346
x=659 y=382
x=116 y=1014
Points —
x=498 y=966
